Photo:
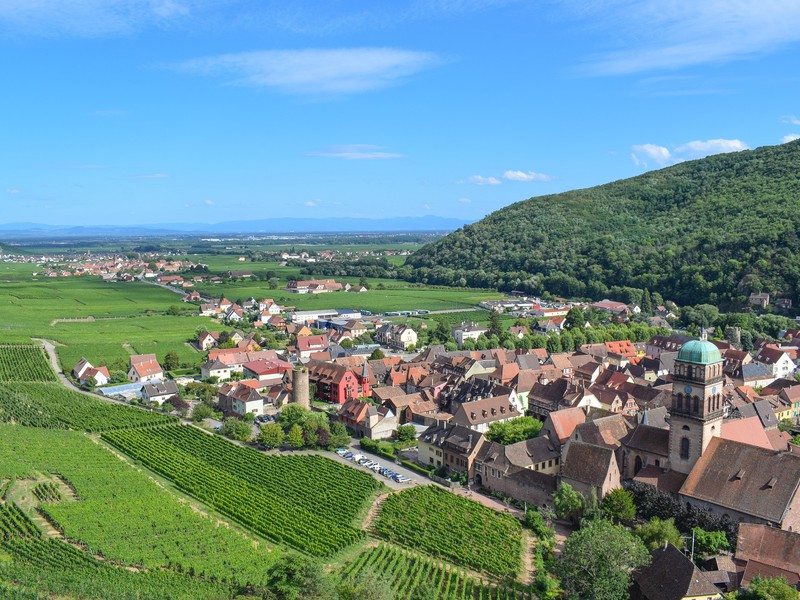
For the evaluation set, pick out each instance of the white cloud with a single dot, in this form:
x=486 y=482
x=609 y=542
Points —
x=699 y=149
x=525 y=176
x=791 y=120
x=465 y=200
x=647 y=154
x=152 y=176
x=355 y=152
x=208 y=202
x=13 y=191
x=641 y=154
x=311 y=203
x=315 y=71
x=656 y=35
x=481 y=180
x=426 y=206
x=90 y=18
x=790 y=138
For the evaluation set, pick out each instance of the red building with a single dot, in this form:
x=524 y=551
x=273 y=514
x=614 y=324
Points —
x=337 y=383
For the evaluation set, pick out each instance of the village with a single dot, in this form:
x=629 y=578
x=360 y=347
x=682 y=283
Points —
x=710 y=428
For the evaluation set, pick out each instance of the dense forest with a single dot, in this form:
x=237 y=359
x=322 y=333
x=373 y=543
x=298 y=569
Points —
x=706 y=231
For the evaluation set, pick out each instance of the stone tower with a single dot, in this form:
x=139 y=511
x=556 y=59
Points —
x=697 y=403
x=300 y=387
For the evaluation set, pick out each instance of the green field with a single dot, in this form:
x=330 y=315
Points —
x=128 y=317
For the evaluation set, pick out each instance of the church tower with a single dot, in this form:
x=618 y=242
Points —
x=697 y=403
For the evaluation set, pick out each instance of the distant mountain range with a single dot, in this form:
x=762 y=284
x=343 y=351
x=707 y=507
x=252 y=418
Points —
x=263 y=226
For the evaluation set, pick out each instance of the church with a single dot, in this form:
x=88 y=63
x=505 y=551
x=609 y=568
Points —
x=744 y=482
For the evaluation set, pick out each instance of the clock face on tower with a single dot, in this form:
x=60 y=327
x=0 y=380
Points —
x=688 y=389
x=714 y=390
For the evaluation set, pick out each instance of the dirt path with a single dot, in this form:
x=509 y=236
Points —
x=528 y=552
x=373 y=512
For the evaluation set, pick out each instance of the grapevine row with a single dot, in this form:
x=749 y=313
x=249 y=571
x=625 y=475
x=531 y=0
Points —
x=482 y=538
x=267 y=513
x=25 y=363
x=408 y=571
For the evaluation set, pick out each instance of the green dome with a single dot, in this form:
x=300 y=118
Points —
x=699 y=352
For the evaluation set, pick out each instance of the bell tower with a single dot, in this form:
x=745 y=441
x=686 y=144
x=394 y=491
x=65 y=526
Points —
x=697 y=403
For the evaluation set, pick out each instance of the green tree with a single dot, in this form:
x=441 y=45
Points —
x=271 y=435
x=201 y=411
x=709 y=542
x=171 y=361
x=339 y=436
x=762 y=588
x=295 y=437
x=366 y=586
x=377 y=354
x=567 y=342
x=647 y=303
x=598 y=560
x=236 y=429
x=568 y=503
x=618 y=505
x=296 y=577
x=346 y=343
x=292 y=414
x=513 y=431
x=495 y=323
x=655 y=533
x=575 y=318
x=406 y=433
x=554 y=344
x=174 y=310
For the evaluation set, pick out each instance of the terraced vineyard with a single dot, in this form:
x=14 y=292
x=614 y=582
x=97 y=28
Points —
x=109 y=508
x=38 y=565
x=454 y=528
x=305 y=502
x=408 y=571
x=25 y=363
x=54 y=406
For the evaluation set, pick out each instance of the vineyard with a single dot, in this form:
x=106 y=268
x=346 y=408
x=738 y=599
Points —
x=408 y=571
x=39 y=564
x=452 y=527
x=121 y=514
x=302 y=503
x=25 y=363
x=54 y=406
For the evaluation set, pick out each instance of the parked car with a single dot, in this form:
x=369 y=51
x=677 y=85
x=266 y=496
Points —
x=348 y=455
x=341 y=451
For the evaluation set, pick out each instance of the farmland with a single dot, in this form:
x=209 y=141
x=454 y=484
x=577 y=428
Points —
x=422 y=518
x=409 y=571
x=24 y=363
x=119 y=512
x=301 y=503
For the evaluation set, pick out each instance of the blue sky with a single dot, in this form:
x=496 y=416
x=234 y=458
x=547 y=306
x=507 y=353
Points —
x=136 y=111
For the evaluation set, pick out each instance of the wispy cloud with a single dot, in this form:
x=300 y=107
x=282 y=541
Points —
x=208 y=202
x=790 y=138
x=355 y=152
x=426 y=206
x=80 y=166
x=315 y=71
x=13 y=191
x=92 y=18
x=465 y=200
x=311 y=203
x=653 y=154
x=481 y=180
x=151 y=176
x=526 y=176
x=791 y=120
x=683 y=33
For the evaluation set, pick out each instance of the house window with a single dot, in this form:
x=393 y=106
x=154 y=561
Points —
x=431 y=459
x=685 y=448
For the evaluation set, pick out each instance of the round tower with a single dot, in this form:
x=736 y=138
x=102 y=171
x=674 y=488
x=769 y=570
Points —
x=300 y=387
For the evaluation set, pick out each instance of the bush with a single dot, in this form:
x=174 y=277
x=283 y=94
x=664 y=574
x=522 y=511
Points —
x=406 y=433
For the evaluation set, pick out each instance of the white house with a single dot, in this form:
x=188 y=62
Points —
x=159 y=391
x=468 y=331
x=144 y=367
x=776 y=359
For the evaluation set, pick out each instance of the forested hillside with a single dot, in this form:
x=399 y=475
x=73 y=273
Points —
x=710 y=230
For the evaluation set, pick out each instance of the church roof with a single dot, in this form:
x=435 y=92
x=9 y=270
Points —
x=699 y=352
